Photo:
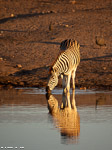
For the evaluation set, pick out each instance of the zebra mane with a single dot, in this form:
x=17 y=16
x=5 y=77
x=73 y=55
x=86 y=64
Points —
x=51 y=67
x=67 y=44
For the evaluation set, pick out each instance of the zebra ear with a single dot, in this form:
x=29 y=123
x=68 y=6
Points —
x=75 y=43
x=52 y=70
x=78 y=45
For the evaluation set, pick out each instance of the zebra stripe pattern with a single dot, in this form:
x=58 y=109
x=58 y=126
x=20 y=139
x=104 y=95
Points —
x=66 y=65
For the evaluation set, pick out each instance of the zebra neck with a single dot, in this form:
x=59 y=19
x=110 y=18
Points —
x=58 y=69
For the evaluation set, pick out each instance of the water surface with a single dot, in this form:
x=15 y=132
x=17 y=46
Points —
x=25 y=121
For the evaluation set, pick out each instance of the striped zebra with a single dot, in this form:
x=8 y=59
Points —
x=66 y=65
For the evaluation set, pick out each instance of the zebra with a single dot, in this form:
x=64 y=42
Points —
x=66 y=65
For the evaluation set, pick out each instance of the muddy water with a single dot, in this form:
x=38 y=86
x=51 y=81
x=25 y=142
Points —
x=25 y=121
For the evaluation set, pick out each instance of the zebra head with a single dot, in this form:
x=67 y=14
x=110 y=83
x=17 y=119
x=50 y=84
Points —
x=53 y=80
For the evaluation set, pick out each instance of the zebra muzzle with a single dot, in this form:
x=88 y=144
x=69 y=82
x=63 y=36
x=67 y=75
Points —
x=48 y=89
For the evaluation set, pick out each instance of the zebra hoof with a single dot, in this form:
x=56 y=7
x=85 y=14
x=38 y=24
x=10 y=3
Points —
x=65 y=90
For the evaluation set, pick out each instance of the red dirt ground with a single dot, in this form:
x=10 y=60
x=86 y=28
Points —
x=28 y=47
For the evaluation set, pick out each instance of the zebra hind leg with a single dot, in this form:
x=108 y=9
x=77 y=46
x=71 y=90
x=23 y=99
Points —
x=64 y=82
x=73 y=78
x=67 y=83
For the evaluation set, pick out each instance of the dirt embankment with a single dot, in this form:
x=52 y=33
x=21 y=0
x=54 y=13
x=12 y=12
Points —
x=29 y=45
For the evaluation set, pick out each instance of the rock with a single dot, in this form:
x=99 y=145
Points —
x=19 y=66
x=21 y=83
x=9 y=86
x=12 y=15
x=1 y=32
x=73 y=1
x=82 y=88
x=43 y=12
x=73 y=10
x=1 y=58
x=100 y=41
x=1 y=86
x=66 y=25
x=104 y=68
x=50 y=26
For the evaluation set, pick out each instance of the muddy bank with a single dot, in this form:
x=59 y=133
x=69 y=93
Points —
x=28 y=45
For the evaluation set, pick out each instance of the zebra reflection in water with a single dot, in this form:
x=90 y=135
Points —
x=65 y=117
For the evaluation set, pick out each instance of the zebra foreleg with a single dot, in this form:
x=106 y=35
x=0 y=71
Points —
x=67 y=83
x=64 y=83
x=68 y=104
x=73 y=100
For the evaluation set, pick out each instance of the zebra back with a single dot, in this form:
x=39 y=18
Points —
x=72 y=53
